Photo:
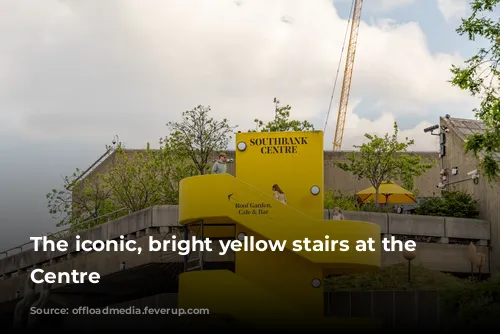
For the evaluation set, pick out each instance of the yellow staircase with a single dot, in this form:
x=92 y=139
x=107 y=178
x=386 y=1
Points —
x=282 y=287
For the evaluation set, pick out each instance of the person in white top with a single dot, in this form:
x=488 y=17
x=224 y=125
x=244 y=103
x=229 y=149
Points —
x=337 y=214
x=279 y=194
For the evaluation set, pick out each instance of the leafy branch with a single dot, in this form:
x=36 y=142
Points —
x=480 y=76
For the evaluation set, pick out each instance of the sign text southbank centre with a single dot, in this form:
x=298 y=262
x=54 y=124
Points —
x=278 y=145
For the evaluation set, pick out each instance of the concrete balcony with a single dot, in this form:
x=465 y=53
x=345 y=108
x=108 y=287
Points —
x=442 y=242
x=441 y=245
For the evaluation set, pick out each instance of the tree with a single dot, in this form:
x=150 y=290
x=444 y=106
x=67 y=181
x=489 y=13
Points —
x=480 y=76
x=198 y=136
x=80 y=200
x=451 y=203
x=371 y=206
x=136 y=180
x=395 y=277
x=474 y=305
x=385 y=159
x=142 y=179
x=337 y=199
x=282 y=122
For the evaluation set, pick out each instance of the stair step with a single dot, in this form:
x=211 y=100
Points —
x=193 y=263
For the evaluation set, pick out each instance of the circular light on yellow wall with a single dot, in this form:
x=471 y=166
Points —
x=241 y=236
x=242 y=146
x=316 y=283
x=315 y=190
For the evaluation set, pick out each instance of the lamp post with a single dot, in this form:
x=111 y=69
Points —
x=479 y=260
x=471 y=255
x=409 y=256
x=276 y=103
x=116 y=141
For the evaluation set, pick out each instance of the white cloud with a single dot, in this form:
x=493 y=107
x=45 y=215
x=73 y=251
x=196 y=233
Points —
x=93 y=69
x=453 y=9
x=387 y=5
x=380 y=5
x=356 y=127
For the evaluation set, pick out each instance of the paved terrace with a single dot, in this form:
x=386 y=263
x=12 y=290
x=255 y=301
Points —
x=441 y=245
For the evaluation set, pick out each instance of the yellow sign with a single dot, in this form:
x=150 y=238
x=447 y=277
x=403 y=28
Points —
x=285 y=165
x=251 y=208
x=279 y=145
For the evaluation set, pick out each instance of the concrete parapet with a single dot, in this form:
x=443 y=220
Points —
x=103 y=263
x=378 y=218
x=440 y=257
x=159 y=219
x=428 y=226
x=467 y=228
x=156 y=217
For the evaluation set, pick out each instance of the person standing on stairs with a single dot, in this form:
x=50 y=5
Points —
x=279 y=194
x=337 y=214
x=220 y=166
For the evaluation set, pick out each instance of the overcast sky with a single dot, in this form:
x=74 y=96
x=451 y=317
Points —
x=73 y=74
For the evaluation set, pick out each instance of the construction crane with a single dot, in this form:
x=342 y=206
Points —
x=346 y=82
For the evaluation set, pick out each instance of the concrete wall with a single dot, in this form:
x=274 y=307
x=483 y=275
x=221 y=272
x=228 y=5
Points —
x=415 y=225
x=443 y=240
x=160 y=219
x=157 y=219
x=488 y=194
x=101 y=168
x=335 y=178
x=396 y=309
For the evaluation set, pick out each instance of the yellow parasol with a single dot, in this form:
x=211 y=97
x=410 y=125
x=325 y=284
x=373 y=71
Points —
x=388 y=192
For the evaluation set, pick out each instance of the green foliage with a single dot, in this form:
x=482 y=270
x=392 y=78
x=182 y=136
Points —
x=384 y=159
x=471 y=292
x=197 y=136
x=451 y=203
x=472 y=303
x=351 y=203
x=140 y=179
x=282 y=122
x=136 y=180
x=337 y=199
x=480 y=76
x=145 y=178
x=80 y=200
x=394 y=277
x=475 y=305
x=373 y=207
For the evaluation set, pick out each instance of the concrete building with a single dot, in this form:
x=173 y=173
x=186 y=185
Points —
x=456 y=165
x=441 y=241
x=455 y=132
x=454 y=156
x=335 y=178
x=345 y=182
x=441 y=245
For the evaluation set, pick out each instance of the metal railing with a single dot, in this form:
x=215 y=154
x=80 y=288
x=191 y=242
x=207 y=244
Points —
x=396 y=308
x=61 y=234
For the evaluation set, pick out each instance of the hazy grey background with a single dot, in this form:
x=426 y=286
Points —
x=75 y=73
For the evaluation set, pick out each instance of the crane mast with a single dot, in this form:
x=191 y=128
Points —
x=346 y=82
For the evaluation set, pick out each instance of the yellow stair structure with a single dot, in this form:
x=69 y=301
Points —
x=273 y=287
